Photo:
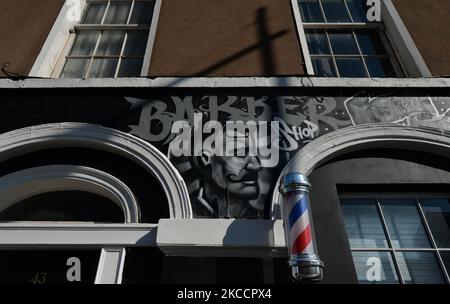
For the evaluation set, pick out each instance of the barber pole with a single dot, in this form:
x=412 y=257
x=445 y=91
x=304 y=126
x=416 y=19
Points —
x=300 y=240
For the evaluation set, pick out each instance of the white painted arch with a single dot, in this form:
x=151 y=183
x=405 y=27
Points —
x=30 y=182
x=81 y=135
x=362 y=137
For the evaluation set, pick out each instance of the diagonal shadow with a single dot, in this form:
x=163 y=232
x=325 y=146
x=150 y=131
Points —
x=264 y=45
x=264 y=37
x=240 y=54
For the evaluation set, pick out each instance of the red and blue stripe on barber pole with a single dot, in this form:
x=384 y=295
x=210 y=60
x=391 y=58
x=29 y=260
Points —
x=299 y=223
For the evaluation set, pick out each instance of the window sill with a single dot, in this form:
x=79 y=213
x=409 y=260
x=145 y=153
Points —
x=226 y=82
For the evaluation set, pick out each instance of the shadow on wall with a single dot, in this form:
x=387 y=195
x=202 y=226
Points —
x=248 y=232
x=264 y=45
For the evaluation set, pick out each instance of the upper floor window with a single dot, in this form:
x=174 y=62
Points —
x=399 y=239
x=111 y=40
x=342 y=43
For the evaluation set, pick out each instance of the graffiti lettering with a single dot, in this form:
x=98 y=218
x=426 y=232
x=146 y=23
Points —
x=292 y=135
x=232 y=179
x=414 y=111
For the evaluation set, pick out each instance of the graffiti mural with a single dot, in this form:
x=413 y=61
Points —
x=414 y=111
x=239 y=186
x=228 y=148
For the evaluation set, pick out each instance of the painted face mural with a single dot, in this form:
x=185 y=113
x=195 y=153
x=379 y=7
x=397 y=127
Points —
x=229 y=184
x=238 y=175
x=233 y=173
x=228 y=169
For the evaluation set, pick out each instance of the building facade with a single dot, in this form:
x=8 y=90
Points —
x=143 y=141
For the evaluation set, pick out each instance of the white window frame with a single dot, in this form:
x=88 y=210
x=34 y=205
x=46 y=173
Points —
x=174 y=237
x=51 y=59
x=111 y=239
x=406 y=51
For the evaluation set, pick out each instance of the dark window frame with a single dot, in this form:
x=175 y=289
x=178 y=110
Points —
x=392 y=250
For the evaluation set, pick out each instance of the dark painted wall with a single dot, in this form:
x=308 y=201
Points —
x=374 y=171
x=428 y=22
x=226 y=38
x=24 y=26
x=150 y=115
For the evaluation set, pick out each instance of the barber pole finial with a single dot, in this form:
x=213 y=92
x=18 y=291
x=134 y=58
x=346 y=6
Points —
x=300 y=240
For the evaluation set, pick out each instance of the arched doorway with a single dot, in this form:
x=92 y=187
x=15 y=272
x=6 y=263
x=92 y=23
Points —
x=78 y=135
x=380 y=197
x=94 y=191
x=362 y=137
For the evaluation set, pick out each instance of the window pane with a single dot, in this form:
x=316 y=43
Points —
x=437 y=213
x=363 y=223
x=317 y=42
x=351 y=67
x=310 y=10
x=130 y=67
x=419 y=268
x=143 y=266
x=404 y=223
x=380 y=67
x=84 y=43
x=95 y=13
x=75 y=68
x=117 y=12
x=335 y=11
x=324 y=67
x=43 y=267
x=79 y=206
x=103 y=68
x=242 y=270
x=357 y=10
x=142 y=13
x=445 y=255
x=375 y=267
x=136 y=43
x=343 y=43
x=370 y=43
x=110 y=43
